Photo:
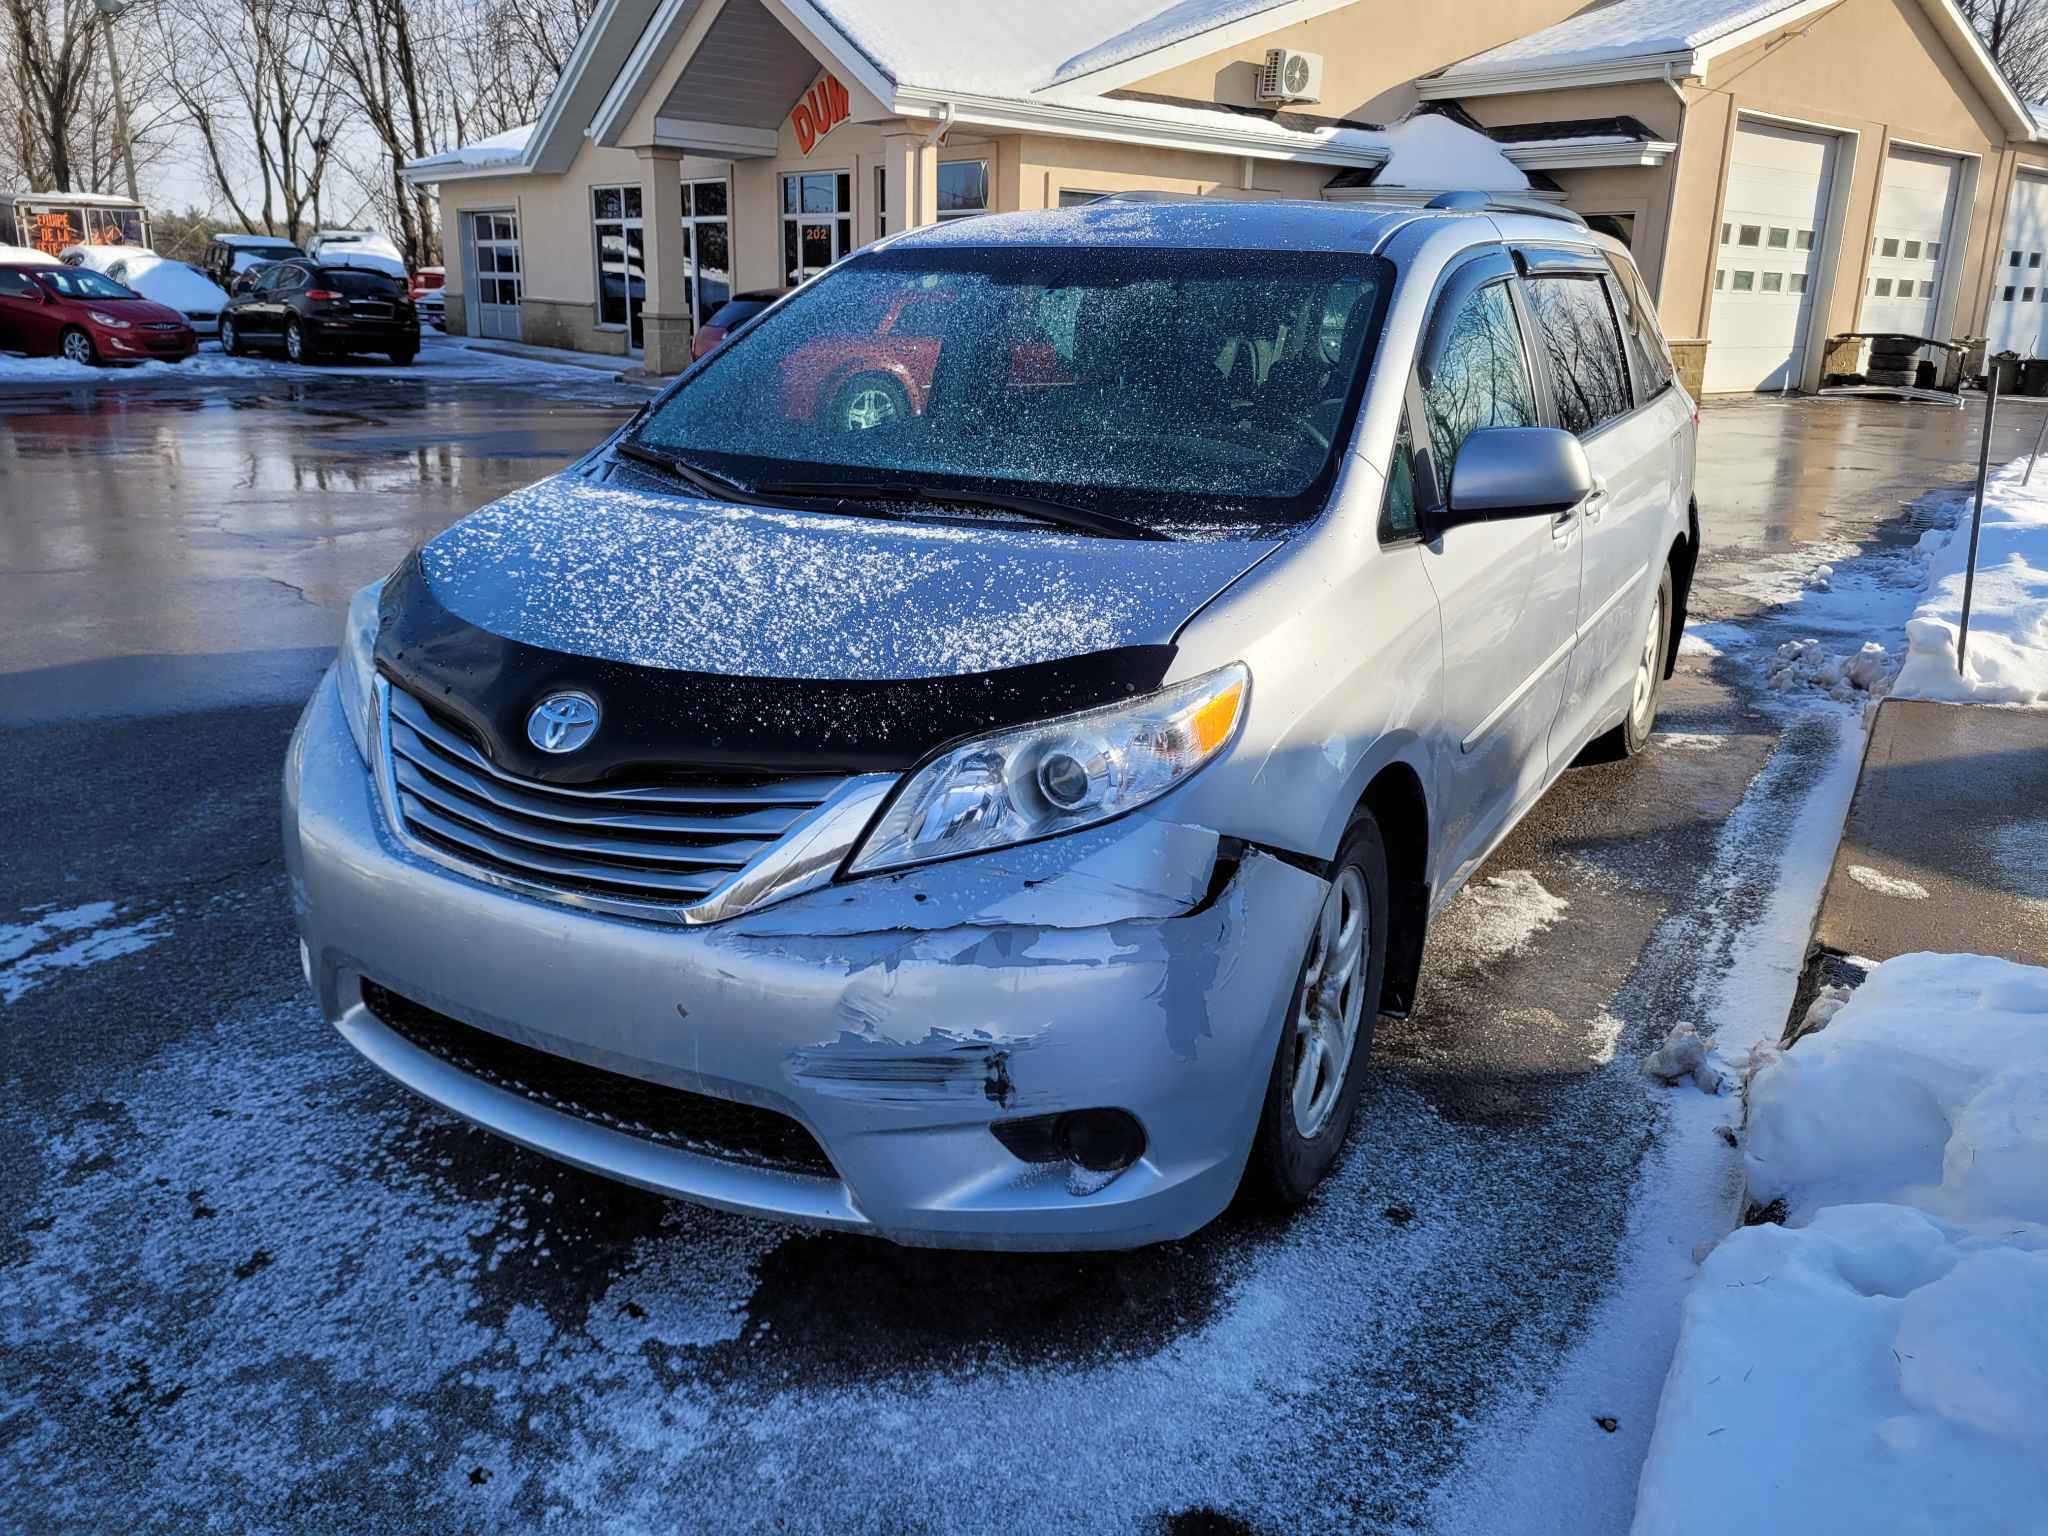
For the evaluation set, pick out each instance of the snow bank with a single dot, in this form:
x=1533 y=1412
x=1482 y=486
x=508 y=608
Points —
x=1880 y=1362
x=2008 y=656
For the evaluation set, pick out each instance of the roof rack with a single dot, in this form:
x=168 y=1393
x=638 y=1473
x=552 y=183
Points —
x=1152 y=195
x=1502 y=202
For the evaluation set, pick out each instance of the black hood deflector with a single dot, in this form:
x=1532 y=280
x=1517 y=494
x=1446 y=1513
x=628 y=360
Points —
x=654 y=720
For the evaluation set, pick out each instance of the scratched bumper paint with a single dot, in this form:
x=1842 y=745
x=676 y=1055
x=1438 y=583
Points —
x=1140 y=965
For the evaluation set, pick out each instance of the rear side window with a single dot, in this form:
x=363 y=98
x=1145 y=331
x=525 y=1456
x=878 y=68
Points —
x=1576 y=326
x=1480 y=377
x=16 y=285
x=1646 y=349
x=359 y=284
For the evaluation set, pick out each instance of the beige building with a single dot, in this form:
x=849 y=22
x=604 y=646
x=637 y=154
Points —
x=1785 y=172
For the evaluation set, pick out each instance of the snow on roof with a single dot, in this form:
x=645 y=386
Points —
x=1625 y=29
x=81 y=199
x=26 y=256
x=498 y=149
x=1017 y=50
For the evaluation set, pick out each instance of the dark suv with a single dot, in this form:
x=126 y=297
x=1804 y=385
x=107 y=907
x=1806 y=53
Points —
x=230 y=258
x=310 y=311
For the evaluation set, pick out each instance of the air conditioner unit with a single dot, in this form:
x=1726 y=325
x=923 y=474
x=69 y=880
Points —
x=1291 y=76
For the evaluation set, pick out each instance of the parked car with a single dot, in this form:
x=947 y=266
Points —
x=429 y=296
x=730 y=316
x=312 y=310
x=999 y=822
x=175 y=284
x=229 y=258
x=76 y=313
x=363 y=248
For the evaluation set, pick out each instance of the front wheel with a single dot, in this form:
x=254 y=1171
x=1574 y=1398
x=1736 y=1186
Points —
x=1326 y=1039
x=230 y=341
x=77 y=347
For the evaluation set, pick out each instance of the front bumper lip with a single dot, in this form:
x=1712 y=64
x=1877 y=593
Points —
x=894 y=1018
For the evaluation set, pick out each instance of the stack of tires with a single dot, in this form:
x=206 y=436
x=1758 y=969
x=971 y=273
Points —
x=1891 y=361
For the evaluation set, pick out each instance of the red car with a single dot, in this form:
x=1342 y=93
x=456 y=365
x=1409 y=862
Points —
x=730 y=316
x=76 y=313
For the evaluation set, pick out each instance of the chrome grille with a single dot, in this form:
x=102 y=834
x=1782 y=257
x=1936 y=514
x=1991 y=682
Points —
x=663 y=849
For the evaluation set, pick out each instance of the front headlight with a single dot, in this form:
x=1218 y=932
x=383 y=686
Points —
x=111 y=322
x=1058 y=775
x=355 y=669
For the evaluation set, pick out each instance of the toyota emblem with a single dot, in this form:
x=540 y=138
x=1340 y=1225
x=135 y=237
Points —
x=562 y=722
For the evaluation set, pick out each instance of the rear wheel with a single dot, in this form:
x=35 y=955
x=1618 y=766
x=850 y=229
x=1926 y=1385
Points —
x=296 y=347
x=77 y=347
x=1647 y=689
x=1319 y=1066
x=403 y=357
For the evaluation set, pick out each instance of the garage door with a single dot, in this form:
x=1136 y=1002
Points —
x=1766 y=265
x=1909 y=242
x=494 y=259
x=2019 y=302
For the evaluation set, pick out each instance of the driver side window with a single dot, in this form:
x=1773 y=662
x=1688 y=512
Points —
x=1481 y=378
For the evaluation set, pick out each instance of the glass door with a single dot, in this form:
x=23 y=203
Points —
x=817 y=222
x=621 y=260
x=707 y=248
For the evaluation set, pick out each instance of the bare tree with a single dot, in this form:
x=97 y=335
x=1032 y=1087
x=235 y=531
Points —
x=51 y=47
x=2016 y=32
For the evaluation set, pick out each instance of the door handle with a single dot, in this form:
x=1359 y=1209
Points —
x=1595 y=503
x=1561 y=525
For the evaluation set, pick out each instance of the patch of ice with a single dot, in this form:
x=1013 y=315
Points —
x=1603 y=1035
x=1689 y=741
x=1887 y=885
x=1712 y=640
x=1499 y=916
x=69 y=940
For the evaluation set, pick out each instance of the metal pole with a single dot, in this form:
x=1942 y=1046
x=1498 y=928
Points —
x=2040 y=437
x=120 y=104
x=1977 y=516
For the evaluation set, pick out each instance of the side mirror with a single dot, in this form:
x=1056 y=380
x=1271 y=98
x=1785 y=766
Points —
x=1504 y=472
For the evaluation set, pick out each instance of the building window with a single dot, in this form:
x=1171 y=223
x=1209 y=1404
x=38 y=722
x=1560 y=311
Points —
x=620 y=240
x=881 y=202
x=963 y=188
x=1075 y=197
x=707 y=247
x=817 y=222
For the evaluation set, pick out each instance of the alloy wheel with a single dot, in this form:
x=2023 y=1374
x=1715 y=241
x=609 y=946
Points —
x=77 y=347
x=227 y=337
x=1644 y=698
x=295 y=343
x=872 y=406
x=1331 y=1002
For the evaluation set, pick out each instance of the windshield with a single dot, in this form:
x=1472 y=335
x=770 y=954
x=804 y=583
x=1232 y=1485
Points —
x=1165 y=386
x=84 y=283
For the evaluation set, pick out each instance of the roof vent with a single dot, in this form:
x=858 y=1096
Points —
x=1291 y=76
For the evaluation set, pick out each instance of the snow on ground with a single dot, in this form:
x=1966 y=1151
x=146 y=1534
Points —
x=442 y=360
x=68 y=939
x=2008 y=648
x=1500 y=915
x=1878 y=1363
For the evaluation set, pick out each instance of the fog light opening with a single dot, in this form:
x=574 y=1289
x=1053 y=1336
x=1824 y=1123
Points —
x=1100 y=1140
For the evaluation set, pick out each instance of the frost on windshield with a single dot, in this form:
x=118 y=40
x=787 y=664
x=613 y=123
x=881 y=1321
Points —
x=694 y=586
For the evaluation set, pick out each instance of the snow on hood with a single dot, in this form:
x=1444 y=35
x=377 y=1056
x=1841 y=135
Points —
x=698 y=586
x=174 y=284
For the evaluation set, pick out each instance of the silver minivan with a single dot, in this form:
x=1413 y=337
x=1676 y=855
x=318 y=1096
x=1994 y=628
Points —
x=972 y=760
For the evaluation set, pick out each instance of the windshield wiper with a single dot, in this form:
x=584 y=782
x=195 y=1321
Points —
x=1066 y=514
x=701 y=480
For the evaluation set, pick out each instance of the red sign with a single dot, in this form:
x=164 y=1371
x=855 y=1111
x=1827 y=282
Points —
x=823 y=107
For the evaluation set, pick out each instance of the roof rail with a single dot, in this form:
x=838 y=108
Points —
x=1152 y=195
x=1503 y=202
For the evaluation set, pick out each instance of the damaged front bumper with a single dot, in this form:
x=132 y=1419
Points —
x=1145 y=966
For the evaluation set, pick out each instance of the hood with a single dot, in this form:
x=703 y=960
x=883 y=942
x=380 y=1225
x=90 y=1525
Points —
x=720 y=636
x=663 y=581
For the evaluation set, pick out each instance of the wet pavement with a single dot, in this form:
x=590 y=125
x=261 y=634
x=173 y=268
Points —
x=245 y=1283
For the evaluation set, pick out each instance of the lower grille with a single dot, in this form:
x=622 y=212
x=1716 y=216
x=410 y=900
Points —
x=673 y=1117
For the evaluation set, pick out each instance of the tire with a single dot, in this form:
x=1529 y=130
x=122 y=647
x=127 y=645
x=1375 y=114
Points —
x=1889 y=378
x=1633 y=734
x=1290 y=1158
x=869 y=401
x=230 y=338
x=296 y=347
x=76 y=346
x=403 y=359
